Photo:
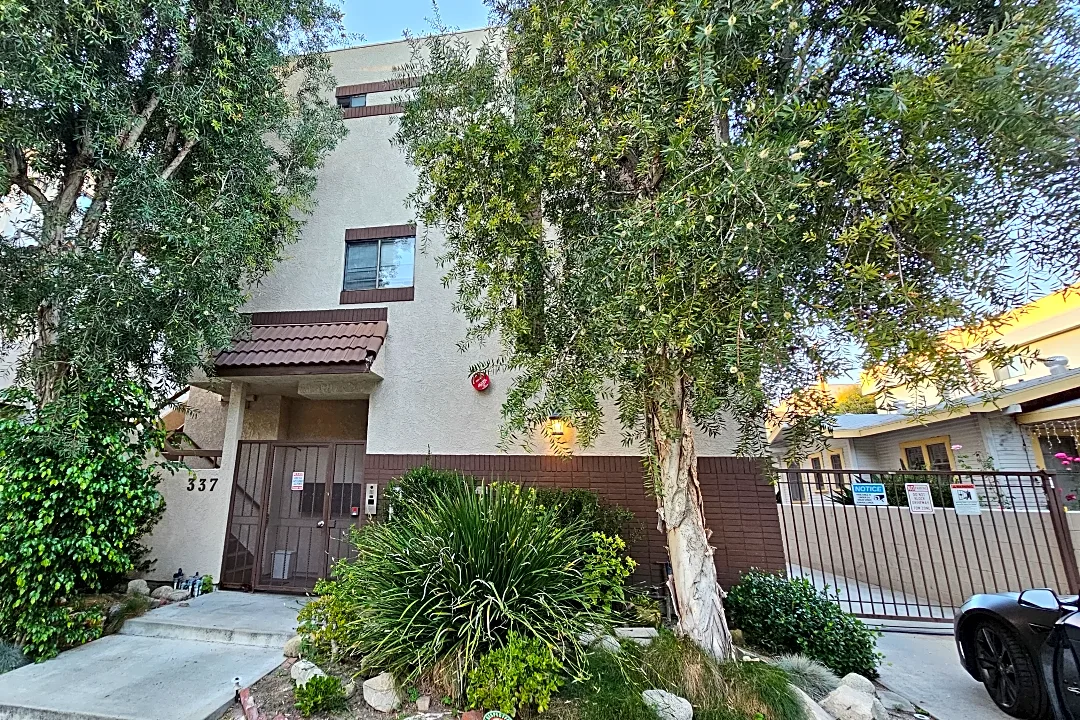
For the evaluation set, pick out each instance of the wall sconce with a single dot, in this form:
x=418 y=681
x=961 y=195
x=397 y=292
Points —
x=556 y=425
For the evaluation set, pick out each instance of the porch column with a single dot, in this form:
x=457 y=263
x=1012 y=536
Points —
x=230 y=448
x=234 y=430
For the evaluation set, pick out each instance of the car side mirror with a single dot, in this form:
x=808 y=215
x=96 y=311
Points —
x=1041 y=598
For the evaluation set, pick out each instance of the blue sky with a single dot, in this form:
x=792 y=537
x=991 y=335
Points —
x=382 y=20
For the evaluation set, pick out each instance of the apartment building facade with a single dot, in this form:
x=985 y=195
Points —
x=352 y=374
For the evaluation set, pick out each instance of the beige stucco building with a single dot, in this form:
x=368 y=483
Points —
x=352 y=364
x=1035 y=416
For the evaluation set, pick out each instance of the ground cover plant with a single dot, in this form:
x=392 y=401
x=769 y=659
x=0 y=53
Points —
x=789 y=615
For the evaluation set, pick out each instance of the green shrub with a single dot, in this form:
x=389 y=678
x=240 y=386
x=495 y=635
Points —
x=324 y=621
x=11 y=657
x=207 y=584
x=523 y=673
x=447 y=581
x=810 y=676
x=782 y=615
x=585 y=506
x=76 y=494
x=606 y=571
x=416 y=487
x=321 y=693
x=130 y=606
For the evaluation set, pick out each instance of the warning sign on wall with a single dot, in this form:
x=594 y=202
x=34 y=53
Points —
x=297 y=481
x=965 y=499
x=919 y=499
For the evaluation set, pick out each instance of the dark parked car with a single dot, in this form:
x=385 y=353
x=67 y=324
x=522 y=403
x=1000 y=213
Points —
x=1022 y=648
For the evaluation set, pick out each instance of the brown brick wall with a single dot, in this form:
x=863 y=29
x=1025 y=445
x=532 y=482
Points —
x=740 y=505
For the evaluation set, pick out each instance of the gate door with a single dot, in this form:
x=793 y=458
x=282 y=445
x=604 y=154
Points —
x=292 y=507
x=293 y=553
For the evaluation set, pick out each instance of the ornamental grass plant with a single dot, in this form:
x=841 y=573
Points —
x=448 y=580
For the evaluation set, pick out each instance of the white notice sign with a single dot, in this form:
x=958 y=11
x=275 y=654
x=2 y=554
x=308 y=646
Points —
x=869 y=494
x=965 y=499
x=919 y=499
x=298 y=481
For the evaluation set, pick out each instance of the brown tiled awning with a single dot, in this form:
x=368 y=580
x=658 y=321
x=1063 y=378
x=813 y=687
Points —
x=307 y=343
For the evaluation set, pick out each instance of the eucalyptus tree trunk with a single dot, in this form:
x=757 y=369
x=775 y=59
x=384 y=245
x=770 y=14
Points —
x=693 y=586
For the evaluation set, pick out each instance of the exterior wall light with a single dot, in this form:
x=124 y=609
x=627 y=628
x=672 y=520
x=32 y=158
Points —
x=556 y=425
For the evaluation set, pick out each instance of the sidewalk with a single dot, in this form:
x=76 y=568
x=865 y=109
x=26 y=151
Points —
x=926 y=670
x=174 y=663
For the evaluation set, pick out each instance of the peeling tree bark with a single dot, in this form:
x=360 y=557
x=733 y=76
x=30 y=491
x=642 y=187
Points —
x=693 y=585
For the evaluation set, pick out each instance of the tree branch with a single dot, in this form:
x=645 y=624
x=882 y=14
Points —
x=92 y=219
x=178 y=160
x=132 y=135
x=19 y=176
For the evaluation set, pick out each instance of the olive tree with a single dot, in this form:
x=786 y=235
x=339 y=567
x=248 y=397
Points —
x=700 y=207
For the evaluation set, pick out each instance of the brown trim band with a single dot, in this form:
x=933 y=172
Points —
x=377 y=87
x=373 y=110
x=311 y=317
x=294 y=370
x=356 y=297
x=380 y=232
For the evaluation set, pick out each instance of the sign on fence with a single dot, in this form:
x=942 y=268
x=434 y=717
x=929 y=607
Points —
x=297 y=481
x=919 y=499
x=872 y=494
x=965 y=499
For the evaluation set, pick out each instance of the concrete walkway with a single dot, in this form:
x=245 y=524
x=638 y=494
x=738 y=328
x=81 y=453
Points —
x=174 y=663
x=926 y=670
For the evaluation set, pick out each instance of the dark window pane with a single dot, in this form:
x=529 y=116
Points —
x=361 y=265
x=914 y=458
x=836 y=462
x=939 y=456
x=352 y=101
x=396 y=259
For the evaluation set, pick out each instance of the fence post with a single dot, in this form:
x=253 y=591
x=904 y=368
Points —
x=1061 y=529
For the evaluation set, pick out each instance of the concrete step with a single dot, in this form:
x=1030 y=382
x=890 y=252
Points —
x=257 y=620
x=125 y=677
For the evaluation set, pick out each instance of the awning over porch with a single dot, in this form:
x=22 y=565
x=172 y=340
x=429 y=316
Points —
x=307 y=343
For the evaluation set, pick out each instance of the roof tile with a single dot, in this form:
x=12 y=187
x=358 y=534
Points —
x=328 y=343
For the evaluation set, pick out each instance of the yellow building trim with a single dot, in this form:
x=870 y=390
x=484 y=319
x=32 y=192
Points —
x=921 y=444
x=1069 y=412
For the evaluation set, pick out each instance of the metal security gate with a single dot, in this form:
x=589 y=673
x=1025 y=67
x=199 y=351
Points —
x=916 y=545
x=292 y=507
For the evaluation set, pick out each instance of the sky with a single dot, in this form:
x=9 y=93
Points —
x=383 y=20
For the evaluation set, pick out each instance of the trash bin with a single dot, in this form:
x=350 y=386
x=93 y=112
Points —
x=281 y=565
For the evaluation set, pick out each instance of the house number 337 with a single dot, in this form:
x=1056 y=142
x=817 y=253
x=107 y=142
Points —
x=200 y=483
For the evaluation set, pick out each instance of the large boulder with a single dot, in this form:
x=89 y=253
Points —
x=162 y=593
x=304 y=670
x=847 y=703
x=381 y=693
x=668 y=706
x=640 y=635
x=178 y=595
x=138 y=587
x=895 y=702
x=811 y=709
x=860 y=683
x=292 y=647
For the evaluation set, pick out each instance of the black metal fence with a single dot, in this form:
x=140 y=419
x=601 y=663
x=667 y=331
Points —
x=916 y=545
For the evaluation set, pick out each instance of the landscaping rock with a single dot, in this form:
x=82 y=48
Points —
x=812 y=710
x=608 y=644
x=349 y=689
x=473 y=715
x=423 y=703
x=640 y=635
x=847 y=703
x=668 y=706
x=292 y=647
x=138 y=587
x=894 y=702
x=381 y=693
x=430 y=716
x=178 y=595
x=858 y=682
x=737 y=637
x=304 y=670
x=162 y=593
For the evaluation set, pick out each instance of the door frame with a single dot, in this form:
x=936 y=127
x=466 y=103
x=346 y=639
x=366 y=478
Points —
x=264 y=510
